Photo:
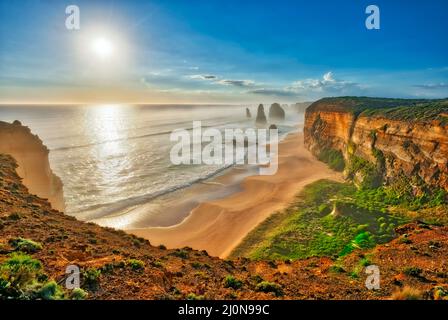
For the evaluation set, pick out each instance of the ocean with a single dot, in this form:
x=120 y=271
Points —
x=113 y=159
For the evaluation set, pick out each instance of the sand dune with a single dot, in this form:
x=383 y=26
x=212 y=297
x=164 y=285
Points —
x=219 y=225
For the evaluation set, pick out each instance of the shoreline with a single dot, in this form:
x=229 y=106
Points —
x=218 y=226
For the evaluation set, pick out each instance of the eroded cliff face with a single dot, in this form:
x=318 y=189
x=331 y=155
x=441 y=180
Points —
x=413 y=148
x=33 y=165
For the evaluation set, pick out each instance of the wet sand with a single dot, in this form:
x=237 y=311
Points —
x=218 y=226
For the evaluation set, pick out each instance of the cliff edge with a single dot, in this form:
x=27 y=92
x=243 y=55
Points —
x=33 y=164
x=385 y=139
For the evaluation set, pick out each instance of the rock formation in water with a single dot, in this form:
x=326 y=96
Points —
x=261 y=116
x=33 y=164
x=248 y=114
x=276 y=112
x=396 y=138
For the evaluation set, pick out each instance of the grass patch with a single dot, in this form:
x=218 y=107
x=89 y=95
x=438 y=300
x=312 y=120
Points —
x=328 y=219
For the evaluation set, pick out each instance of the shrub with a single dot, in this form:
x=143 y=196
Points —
x=407 y=293
x=18 y=274
x=51 y=291
x=181 y=253
x=78 y=294
x=157 y=264
x=25 y=245
x=231 y=282
x=15 y=216
x=196 y=265
x=91 y=278
x=136 y=264
x=192 y=296
x=267 y=287
x=336 y=269
x=412 y=271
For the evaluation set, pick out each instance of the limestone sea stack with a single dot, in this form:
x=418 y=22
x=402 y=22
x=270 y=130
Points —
x=33 y=164
x=276 y=112
x=261 y=116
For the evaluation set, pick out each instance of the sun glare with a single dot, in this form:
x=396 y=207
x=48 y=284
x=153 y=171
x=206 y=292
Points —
x=102 y=47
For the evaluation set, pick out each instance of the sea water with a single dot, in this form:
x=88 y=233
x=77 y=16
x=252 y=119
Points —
x=111 y=158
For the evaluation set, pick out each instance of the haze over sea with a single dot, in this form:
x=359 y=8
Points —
x=114 y=158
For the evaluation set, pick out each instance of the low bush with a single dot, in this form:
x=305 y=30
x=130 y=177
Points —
x=136 y=264
x=267 y=287
x=231 y=282
x=25 y=245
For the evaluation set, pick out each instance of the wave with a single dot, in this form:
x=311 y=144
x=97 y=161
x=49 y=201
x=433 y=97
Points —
x=161 y=133
x=120 y=205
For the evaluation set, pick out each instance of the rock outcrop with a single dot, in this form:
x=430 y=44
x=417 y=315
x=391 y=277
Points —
x=261 y=116
x=399 y=137
x=248 y=114
x=276 y=112
x=33 y=164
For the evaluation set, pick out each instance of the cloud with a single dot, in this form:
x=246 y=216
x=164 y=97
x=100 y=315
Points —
x=237 y=83
x=274 y=92
x=202 y=77
x=432 y=86
x=225 y=82
x=327 y=83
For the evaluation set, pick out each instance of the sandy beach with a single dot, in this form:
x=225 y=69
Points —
x=219 y=225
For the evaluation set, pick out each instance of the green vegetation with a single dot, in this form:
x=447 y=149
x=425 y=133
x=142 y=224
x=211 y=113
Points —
x=51 y=291
x=333 y=158
x=136 y=264
x=25 y=245
x=424 y=111
x=22 y=277
x=231 y=282
x=413 y=271
x=267 y=287
x=396 y=109
x=181 y=253
x=192 y=296
x=78 y=294
x=333 y=219
x=91 y=278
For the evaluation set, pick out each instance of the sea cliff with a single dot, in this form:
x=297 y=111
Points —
x=33 y=164
x=391 y=138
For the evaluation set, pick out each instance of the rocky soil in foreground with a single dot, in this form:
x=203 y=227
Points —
x=115 y=265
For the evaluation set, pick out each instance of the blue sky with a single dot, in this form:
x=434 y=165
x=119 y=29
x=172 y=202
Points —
x=221 y=51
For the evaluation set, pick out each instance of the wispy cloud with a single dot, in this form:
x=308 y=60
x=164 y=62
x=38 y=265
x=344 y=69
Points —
x=237 y=83
x=202 y=77
x=274 y=92
x=226 y=82
x=327 y=83
x=432 y=86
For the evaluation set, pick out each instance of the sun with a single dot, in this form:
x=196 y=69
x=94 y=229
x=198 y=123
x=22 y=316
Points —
x=102 y=47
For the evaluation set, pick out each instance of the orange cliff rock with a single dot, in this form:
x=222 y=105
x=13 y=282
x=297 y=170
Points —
x=413 y=146
x=33 y=165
